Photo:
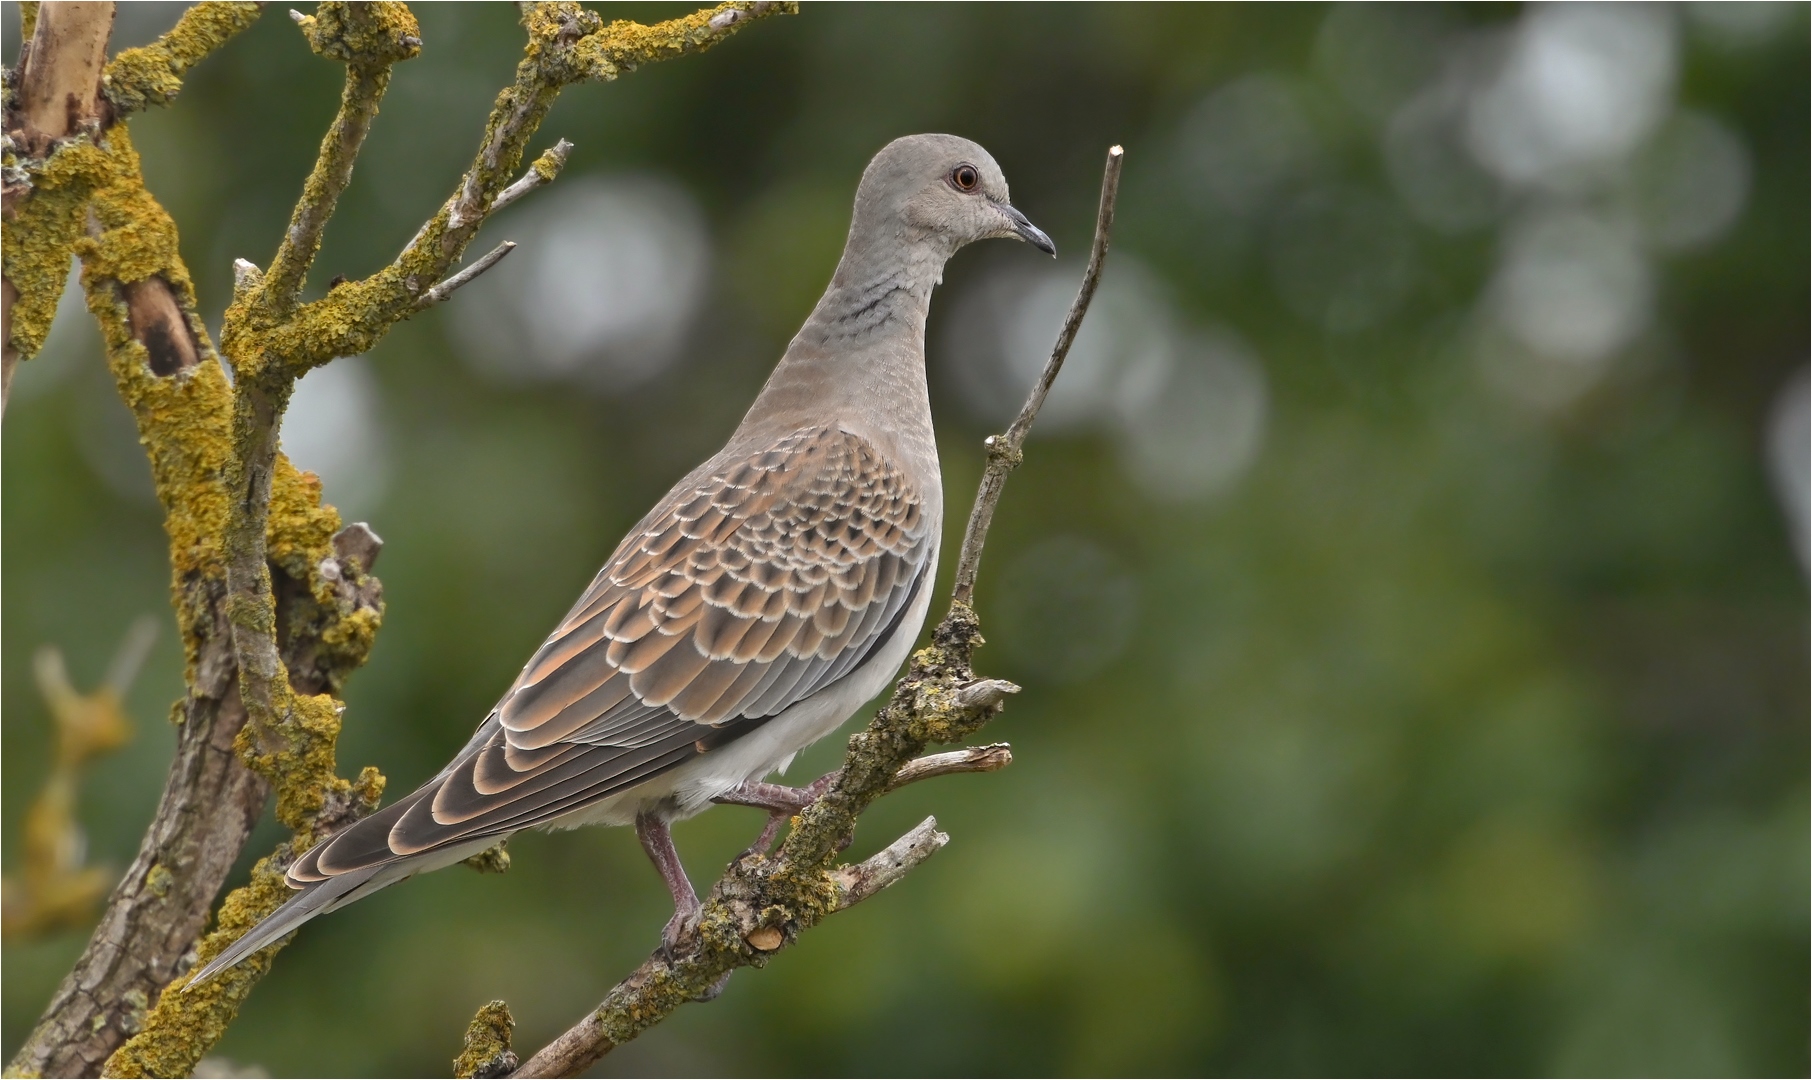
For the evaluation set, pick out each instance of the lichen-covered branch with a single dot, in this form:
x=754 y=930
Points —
x=87 y=198
x=54 y=93
x=63 y=58
x=762 y=904
x=152 y=74
x=368 y=38
x=543 y=172
x=290 y=728
x=486 y=1052
x=567 y=44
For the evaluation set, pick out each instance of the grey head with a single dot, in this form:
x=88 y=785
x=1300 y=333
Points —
x=921 y=199
x=861 y=354
x=940 y=192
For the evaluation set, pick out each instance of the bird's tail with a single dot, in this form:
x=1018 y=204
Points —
x=317 y=899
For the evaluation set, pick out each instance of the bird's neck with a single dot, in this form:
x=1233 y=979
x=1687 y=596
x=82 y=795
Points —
x=861 y=354
x=879 y=296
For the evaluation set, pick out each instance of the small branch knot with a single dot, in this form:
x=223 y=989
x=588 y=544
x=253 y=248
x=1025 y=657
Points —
x=1001 y=449
x=246 y=278
x=487 y=1052
x=357 y=541
x=366 y=34
x=985 y=693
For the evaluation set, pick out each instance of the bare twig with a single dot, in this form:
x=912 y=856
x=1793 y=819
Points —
x=973 y=759
x=540 y=174
x=1004 y=451
x=761 y=904
x=447 y=288
x=893 y=862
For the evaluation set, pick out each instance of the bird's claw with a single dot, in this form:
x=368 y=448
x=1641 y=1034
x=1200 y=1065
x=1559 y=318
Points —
x=679 y=931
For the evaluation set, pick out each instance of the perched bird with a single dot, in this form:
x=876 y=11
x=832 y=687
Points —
x=775 y=588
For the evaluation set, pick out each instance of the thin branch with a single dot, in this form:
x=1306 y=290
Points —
x=973 y=759
x=370 y=39
x=762 y=904
x=152 y=74
x=758 y=935
x=448 y=287
x=887 y=866
x=1004 y=451
x=540 y=174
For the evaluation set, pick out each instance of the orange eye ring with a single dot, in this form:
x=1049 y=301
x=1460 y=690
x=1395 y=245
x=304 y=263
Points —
x=965 y=178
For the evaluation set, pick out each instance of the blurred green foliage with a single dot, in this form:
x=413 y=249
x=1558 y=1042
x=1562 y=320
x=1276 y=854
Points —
x=1462 y=730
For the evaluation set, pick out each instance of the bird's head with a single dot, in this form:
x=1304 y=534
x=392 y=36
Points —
x=944 y=189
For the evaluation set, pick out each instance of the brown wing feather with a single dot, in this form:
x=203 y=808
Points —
x=765 y=561
x=754 y=588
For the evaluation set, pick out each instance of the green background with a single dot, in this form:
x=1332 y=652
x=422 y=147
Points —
x=1415 y=661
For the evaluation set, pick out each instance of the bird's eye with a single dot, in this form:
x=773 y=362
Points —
x=965 y=178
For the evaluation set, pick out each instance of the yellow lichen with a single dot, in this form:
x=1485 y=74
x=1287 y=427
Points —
x=171 y=1040
x=187 y=420
x=184 y=422
x=35 y=246
x=371 y=33
x=152 y=74
x=547 y=166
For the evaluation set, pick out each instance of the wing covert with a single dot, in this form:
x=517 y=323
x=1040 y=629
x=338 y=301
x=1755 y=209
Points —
x=765 y=582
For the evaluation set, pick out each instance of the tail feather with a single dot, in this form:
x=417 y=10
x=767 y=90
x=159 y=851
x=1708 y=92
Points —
x=316 y=900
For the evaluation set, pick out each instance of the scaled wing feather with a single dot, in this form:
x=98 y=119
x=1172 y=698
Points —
x=754 y=588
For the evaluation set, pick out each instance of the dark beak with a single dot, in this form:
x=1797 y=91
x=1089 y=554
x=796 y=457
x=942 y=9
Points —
x=1029 y=232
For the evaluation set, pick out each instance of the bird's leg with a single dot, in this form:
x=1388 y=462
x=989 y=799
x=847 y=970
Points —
x=657 y=841
x=774 y=798
x=781 y=802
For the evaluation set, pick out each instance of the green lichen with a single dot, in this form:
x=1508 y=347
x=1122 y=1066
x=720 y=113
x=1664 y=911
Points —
x=152 y=74
x=28 y=19
x=301 y=767
x=486 y=1051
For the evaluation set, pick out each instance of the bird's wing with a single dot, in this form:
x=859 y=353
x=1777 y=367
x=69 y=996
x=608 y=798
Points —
x=746 y=592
